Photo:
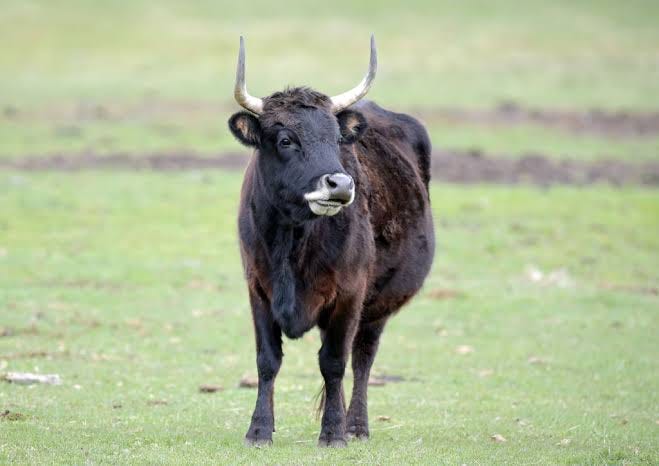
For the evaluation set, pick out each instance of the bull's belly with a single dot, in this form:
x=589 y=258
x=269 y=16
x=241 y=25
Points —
x=401 y=275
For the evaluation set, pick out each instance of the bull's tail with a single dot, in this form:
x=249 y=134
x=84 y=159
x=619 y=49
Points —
x=320 y=399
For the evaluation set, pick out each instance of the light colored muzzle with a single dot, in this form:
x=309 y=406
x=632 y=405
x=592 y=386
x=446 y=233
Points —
x=332 y=193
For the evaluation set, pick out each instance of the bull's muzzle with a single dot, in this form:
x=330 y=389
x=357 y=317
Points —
x=333 y=192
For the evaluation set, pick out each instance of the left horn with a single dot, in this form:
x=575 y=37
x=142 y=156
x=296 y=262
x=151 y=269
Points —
x=253 y=104
x=345 y=100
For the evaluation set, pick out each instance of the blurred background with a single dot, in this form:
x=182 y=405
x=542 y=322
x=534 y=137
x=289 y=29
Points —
x=119 y=266
x=156 y=76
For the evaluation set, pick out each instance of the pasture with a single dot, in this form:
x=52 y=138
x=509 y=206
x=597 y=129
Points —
x=533 y=340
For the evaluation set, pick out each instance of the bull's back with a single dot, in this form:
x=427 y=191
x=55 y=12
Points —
x=394 y=155
x=400 y=130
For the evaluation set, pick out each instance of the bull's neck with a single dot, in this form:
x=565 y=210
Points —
x=284 y=245
x=278 y=234
x=284 y=241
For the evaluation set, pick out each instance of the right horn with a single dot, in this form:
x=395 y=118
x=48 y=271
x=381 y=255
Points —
x=345 y=100
x=253 y=104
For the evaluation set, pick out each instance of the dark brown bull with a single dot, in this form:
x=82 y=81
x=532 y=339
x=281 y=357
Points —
x=335 y=232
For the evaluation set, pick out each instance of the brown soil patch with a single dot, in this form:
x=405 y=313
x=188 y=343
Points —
x=248 y=381
x=175 y=161
x=476 y=167
x=209 y=388
x=464 y=167
x=598 y=122
x=601 y=122
x=11 y=416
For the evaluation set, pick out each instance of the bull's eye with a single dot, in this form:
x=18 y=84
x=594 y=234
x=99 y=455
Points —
x=285 y=142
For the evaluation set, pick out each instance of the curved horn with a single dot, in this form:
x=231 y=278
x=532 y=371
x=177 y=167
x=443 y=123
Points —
x=345 y=100
x=253 y=104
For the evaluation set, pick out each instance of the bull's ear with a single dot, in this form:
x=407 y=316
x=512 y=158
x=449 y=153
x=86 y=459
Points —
x=246 y=128
x=352 y=125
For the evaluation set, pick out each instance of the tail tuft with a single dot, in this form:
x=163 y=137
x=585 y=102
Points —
x=319 y=401
x=321 y=397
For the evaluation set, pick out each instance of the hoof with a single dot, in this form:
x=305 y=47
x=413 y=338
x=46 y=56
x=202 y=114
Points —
x=357 y=437
x=332 y=443
x=332 y=439
x=258 y=442
x=357 y=433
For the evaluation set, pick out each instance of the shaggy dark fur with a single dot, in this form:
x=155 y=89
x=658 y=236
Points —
x=346 y=274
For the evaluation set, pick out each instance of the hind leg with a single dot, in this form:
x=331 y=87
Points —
x=392 y=294
x=332 y=357
x=364 y=348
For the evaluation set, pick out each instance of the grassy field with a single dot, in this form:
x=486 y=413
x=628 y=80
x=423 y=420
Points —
x=539 y=320
x=129 y=287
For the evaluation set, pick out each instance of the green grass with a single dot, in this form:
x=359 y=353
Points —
x=103 y=137
x=132 y=285
x=550 y=53
x=522 y=140
x=561 y=54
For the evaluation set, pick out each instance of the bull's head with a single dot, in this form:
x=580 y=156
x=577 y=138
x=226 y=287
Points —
x=298 y=134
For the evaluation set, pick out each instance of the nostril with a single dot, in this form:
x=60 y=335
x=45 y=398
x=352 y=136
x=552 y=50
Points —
x=331 y=183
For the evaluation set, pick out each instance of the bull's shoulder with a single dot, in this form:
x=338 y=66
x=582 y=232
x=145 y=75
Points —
x=402 y=130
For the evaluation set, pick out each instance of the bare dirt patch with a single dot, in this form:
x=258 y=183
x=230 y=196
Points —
x=7 y=415
x=174 y=161
x=607 y=123
x=597 y=121
x=210 y=388
x=468 y=167
x=462 y=167
x=248 y=381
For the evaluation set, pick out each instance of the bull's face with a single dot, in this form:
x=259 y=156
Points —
x=299 y=153
x=298 y=134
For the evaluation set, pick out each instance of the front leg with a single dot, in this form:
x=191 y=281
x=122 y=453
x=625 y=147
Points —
x=268 y=361
x=332 y=359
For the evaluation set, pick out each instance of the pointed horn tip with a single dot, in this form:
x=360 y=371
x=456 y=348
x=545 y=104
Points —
x=253 y=104
x=348 y=98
